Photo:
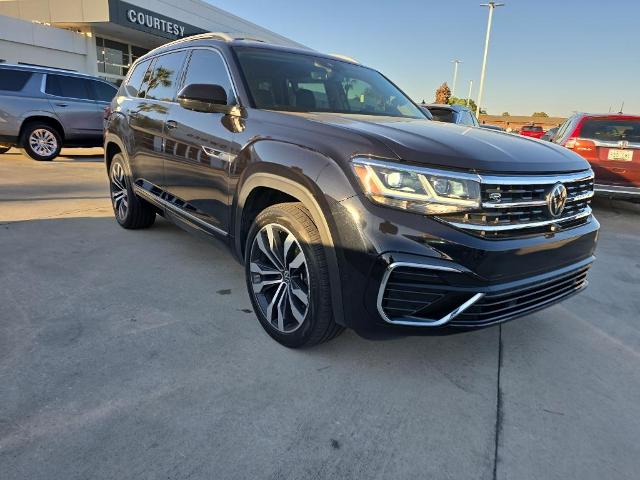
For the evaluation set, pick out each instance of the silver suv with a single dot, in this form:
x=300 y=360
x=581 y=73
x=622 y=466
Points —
x=45 y=109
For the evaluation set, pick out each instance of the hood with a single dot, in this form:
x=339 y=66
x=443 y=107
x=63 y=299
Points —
x=455 y=146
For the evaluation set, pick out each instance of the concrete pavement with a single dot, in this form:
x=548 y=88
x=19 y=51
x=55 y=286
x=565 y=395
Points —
x=135 y=354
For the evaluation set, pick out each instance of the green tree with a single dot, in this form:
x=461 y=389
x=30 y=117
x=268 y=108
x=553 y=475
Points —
x=506 y=114
x=540 y=114
x=443 y=94
x=463 y=101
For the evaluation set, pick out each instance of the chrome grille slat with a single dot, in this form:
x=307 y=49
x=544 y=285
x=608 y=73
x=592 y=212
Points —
x=522 y=206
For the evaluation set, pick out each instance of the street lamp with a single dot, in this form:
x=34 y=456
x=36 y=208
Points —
x=492 y=6
x=455 y=76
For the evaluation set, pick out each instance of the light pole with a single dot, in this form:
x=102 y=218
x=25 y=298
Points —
x=469 y=94
x=455 y=76
x=492 y=6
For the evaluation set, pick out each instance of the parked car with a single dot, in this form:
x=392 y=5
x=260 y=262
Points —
x=45 y=109
x=533 y=131
x=346 y=207
x=611 y=144
x=457 y=114
x=492 y=127
x=549 y=134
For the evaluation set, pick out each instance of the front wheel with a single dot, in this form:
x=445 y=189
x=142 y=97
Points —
x=288 y=277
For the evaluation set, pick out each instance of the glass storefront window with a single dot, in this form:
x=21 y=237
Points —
x=115 y=58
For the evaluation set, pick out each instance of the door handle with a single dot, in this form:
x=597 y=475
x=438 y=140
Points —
x=171 y=124
x=62 y=104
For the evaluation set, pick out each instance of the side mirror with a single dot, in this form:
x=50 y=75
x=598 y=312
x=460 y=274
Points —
x=204 y=97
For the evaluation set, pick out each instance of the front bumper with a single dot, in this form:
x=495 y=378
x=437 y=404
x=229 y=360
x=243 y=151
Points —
x=431 y=296
x=463 y=281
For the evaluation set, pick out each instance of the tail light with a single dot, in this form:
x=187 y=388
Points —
x=585 y=148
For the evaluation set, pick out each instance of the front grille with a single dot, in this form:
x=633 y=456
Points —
x=504 y=305
x=518 y=208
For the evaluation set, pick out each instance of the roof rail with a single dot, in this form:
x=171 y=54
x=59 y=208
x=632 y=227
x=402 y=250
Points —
x=344 y=57
x=225 y=37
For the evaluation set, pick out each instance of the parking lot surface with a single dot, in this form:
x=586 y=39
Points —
x=135 y=354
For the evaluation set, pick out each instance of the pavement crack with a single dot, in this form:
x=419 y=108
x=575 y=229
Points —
x=499 y=413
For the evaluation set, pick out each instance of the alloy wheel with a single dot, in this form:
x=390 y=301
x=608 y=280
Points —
x=43 y=142
x=280 y=277
x=119 y=193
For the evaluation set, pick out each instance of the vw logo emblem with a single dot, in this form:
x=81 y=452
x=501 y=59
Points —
x=623 y=143
x=556 y=199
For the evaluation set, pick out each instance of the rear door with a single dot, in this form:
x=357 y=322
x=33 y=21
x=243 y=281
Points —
x=147 y=116
x=612 y=146
x=71 y=99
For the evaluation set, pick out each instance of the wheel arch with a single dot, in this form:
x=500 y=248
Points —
x=291 y=190
x=112 y=146
x=46 y=119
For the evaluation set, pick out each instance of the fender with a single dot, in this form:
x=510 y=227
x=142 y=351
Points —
x=295 y=176
x=40 y=113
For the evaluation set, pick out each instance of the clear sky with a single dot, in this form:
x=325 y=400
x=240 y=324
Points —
x=556 y=56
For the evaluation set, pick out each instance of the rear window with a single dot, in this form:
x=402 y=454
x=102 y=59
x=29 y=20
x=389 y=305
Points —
x=611 y=130
x=70 y=87
x=442 y=114
x=532 y=128
x=13 y=80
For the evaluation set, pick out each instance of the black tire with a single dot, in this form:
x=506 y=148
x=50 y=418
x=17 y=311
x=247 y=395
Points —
x=32 y=129
x=130 y=211
x=317 y=325
x=4 y=149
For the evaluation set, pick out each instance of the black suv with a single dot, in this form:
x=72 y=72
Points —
x=346 y=205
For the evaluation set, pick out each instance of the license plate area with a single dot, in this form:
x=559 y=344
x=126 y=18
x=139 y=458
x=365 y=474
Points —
x=620 y=155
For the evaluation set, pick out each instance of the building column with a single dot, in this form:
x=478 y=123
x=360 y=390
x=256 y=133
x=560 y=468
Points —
x=92 y=56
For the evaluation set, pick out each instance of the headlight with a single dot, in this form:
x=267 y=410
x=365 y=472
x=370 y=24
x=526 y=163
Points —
x=427 y=191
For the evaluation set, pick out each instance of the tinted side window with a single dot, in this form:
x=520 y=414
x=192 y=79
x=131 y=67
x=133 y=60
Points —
x=71 y=87
x=164 y=78
x=13 y=80
x=134 y=82
x=103 y=91
x=206 y=66
x=465 y=118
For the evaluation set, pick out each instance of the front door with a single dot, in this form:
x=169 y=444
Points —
x=197 y=147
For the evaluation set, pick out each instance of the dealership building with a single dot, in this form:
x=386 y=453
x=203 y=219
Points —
x=104 y=37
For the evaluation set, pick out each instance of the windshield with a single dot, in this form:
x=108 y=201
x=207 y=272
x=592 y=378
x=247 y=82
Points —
x=295 y=82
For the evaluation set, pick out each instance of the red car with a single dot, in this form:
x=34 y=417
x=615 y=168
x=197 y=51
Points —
x=535 y=131
x=611 y=144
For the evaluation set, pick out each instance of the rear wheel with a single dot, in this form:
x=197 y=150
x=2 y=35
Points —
x=288 y=277
x=129 y=210
x=41 y=141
